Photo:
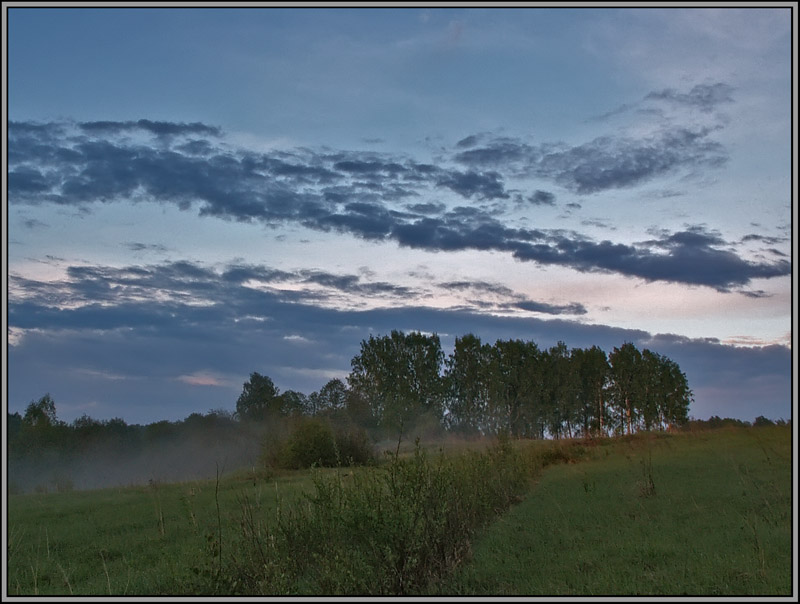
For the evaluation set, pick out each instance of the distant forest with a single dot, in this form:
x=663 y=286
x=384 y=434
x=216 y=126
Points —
x=401 y=384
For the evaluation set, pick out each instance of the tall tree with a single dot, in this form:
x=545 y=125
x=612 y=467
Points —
x=513 y=383
x=675 y=394
x=466 y=379
x=561 y=387
x=291 y=402
x=626 y=362
x=591 y=366
x=41 y=413
x=653 y=385
x=259 y=399
x=330 y=399
x=399 y=377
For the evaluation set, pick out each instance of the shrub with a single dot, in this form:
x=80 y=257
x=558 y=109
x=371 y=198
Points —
x=389 y=530
x=353 y=446
x=310 y=442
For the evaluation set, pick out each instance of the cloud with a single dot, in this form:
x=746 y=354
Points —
x=202 y=378
x=137 y=246
x=157 y=128
x=366 y=194
x=542 y=198
x=503 y=298
x=604 y=163
x=186 y=316
x=705 y=97
x=551 y=309
x=472 y=184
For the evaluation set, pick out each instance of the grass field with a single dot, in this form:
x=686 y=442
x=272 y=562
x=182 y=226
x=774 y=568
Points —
x=696 y=514
x=130 y=541
x=707 y=513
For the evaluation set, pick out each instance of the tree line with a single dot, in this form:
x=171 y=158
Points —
x=404 y=381
x=512 y=386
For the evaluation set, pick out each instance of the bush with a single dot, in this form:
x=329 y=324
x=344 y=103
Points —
x=353 y=446
x=394 y=529
x=310 y=442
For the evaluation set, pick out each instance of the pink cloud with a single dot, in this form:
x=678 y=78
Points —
x=200 y=378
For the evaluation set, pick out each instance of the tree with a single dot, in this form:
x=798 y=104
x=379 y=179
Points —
x=654 y=384
x=330 y=399
x=676 y=396
x=561 y=385
x=591 y=366
x=291 y=402
x=259 y=399
x=626 y=364
x=41 y=413
x=514 y=383
x=467 y=388
x=41 y=429
x=399 y=378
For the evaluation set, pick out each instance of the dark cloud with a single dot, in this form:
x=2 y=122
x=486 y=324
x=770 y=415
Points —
x=33 y=223
x=611 y=162
x=119 y=338
x=470 y=184
x=506 y=299
x=427 y=208
x=157 y=128
x=356 y=193
x=763 y=239
x=705 y=97
x=540 y=198
x=482 y=286
x=691 y=257
x=467 y=142
x=136 y=246
x=551 y=309
x=608 y=162
x=498 y=152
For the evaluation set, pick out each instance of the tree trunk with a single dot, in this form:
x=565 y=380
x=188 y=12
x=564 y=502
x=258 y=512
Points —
x=628 y=414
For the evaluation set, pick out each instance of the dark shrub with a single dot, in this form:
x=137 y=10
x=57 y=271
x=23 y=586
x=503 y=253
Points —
x=310 y=442
x=353 y=446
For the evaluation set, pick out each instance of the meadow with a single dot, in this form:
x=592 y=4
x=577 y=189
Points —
x=701 y=513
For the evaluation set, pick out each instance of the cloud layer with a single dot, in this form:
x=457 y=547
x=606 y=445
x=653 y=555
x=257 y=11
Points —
x=462 y=201
x=170 y=339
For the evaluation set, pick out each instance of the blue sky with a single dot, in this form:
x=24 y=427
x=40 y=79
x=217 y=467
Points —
x=196 y=194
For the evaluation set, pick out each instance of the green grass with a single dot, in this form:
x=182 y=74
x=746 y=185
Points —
x=707 y=513
x=130 y=541
x=696 y=514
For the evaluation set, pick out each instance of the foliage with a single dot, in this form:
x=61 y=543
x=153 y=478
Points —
x=310 y=443
x=382 y=531
x=313 y=441
x=399 y=377
x=259 y=399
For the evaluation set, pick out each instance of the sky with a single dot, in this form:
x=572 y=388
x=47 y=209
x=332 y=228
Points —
x=195 y=194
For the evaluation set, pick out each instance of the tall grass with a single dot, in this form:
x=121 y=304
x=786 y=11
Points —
x=698 y=514
x=706 y=514
x=390 y=530
x=128 y=541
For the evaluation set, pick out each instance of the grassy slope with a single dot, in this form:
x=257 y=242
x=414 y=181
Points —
x=716 y=519
x=136 y=540
x=717 y=522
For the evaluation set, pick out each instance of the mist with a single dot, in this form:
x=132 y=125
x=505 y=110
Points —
x=180 y=458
